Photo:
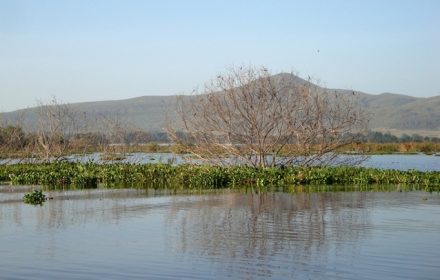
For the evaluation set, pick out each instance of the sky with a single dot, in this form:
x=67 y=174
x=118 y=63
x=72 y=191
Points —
x=104 y=50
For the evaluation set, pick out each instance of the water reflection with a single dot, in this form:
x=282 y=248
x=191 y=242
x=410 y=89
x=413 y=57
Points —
x=71 y=208
x=121 y=234
x=271 y=229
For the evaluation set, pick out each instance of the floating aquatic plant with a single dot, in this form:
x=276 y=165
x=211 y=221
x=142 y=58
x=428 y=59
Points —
x=90 y=175
x=35 y=198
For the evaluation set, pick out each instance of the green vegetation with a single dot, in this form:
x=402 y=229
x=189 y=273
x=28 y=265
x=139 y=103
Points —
x=35 y=198
x=90 y=175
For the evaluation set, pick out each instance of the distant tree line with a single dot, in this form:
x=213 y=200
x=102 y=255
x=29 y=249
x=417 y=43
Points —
x=379 y=137
x=15 y=141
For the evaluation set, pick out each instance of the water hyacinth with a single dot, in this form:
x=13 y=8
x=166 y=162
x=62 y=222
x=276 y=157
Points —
x=90 y=175
x=35 y=198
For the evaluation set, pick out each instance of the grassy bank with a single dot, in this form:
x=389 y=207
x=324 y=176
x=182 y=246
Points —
x=91 y=175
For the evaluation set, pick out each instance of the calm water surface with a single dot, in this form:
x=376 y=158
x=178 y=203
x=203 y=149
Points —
x=419 y=162
x=129 y=234
x=404 y=162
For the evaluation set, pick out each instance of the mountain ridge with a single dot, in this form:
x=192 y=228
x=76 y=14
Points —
x=387 y=110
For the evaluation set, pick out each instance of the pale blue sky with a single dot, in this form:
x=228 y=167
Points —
x=100 y=50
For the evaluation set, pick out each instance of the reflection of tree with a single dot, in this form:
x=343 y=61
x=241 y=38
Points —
x=269 y=229
x=250 y=234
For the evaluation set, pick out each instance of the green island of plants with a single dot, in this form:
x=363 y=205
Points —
x=186 y=177
x=35 y=198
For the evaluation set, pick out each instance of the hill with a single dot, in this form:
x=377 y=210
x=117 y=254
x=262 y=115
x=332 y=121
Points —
x=388 y=111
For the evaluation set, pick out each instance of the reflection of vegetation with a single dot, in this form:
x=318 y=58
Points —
x=35 y=198
x=89 y=175
x=269 y=229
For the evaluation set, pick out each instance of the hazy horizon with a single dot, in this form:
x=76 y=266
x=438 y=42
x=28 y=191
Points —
x=83 y=51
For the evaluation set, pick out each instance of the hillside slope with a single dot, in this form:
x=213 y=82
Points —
x=387 y=110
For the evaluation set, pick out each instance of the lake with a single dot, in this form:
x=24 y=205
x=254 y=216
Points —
x=419 y=162
x=144 y=234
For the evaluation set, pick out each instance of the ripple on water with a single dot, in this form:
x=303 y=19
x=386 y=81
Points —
x=120 y=234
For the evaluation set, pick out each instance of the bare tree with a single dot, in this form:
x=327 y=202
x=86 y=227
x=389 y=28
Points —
x=57 y=123
x=250 y=117
x=116 y=130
